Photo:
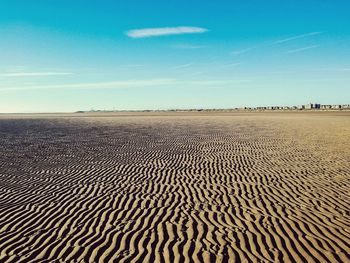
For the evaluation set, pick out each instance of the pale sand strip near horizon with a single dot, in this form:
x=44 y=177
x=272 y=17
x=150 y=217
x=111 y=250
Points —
x=175 y=188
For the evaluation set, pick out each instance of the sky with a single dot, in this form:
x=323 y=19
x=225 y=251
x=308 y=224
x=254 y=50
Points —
x=64 y=56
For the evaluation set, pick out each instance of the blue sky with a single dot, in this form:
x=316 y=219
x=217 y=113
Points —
x=77 y=55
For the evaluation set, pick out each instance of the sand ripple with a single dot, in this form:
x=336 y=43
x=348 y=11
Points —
x=175 y=189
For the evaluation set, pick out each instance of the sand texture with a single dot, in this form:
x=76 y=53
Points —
x=175 y=188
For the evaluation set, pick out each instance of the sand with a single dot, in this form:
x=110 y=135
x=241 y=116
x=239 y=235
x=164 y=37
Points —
x=204 y=187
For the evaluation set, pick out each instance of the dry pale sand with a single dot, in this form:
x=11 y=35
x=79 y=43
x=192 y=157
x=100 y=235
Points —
x=175 y=188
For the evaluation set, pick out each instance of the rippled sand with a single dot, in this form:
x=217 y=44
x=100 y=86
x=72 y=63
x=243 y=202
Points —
x=175 y=188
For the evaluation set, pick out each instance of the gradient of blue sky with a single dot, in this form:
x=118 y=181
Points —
x=75 y=55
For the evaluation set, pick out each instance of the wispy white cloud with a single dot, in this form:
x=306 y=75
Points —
x=135 y=66
x=96 y=85
x=242 y=51
x=231 y=65
x=214 y=83
x=322 y=79
x=302 y=49
x=183 y=66
x=187 y=46
x=277 y=72
x=164 y=31
x=34 y=74
x=295 y=37
x=281 y=41
x=132 y=84
x=332 y=69
x=196 y=73
x=305 y=69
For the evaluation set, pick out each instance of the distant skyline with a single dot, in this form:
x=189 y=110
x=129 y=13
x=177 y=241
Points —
x=63 y=56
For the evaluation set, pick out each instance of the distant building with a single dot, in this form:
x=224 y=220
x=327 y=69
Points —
x=312 y=106
x=309 y=106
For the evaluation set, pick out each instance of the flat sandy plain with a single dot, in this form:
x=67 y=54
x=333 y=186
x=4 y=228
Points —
x=161 y=187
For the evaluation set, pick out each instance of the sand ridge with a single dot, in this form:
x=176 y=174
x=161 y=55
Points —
x=256 y=188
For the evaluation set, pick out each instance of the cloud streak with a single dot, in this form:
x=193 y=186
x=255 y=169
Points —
x=231 y=65
x=187 y=46
x=34 y=74
x=130 y=84
x=164 y=31
x=242 y=51
x=96 y=85
x=301 y=49
x=183 y=66
x=281 y=41
x=295 y=37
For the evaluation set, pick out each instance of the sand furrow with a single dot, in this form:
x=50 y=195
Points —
x=259 y=188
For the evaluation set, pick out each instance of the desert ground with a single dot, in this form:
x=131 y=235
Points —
x=175 y=187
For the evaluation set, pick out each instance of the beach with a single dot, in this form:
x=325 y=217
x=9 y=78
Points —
x=175 y=187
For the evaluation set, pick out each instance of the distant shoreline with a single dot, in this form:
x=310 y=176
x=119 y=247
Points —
x=184 y=113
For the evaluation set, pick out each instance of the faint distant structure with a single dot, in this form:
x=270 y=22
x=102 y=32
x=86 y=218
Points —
x=312 y=106
x=326 y=107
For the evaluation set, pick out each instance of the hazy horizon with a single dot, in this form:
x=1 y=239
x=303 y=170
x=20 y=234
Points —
x=65 y=57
